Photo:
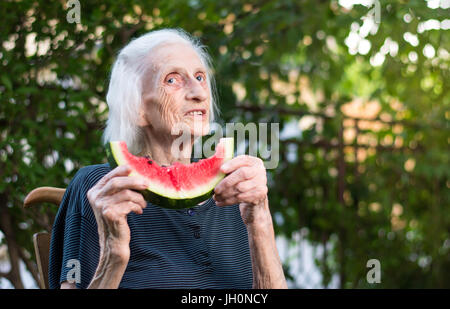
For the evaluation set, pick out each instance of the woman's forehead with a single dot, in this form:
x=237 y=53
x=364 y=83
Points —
x=176 y=55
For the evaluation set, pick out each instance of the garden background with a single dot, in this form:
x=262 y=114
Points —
x=360 y=90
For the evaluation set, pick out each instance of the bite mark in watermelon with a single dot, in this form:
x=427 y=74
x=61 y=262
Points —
x=178 y=185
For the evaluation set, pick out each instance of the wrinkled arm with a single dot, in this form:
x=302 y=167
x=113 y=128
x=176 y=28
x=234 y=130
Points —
x=110 y=270
x=246 y=184
x=266 y=264
x=111 y=267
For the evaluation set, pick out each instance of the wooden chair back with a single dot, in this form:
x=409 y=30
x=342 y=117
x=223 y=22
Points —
x=41 y=240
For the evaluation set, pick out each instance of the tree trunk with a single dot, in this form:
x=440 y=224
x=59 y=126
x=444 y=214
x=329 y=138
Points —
x=13 y=249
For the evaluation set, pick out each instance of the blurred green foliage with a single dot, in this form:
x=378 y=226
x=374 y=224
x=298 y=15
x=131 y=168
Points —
x=294 y=59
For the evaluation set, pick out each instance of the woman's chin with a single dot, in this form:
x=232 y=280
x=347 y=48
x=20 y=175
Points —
x=200 y=131
x=198 y=128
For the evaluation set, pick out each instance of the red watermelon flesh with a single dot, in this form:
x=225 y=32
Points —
x=178 y=181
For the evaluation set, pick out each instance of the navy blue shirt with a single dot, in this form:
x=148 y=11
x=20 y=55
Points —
x=205 y=246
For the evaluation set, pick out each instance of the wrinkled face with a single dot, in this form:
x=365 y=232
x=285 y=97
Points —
x=175 y=91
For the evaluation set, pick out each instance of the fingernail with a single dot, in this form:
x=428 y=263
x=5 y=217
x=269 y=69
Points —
x=224 y=167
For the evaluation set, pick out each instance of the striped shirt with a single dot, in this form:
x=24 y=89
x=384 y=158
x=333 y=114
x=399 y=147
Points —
x=205 y=246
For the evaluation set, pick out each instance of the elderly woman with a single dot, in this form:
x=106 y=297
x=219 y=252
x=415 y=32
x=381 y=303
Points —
x=106 y=235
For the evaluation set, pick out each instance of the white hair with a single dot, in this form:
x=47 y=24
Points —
x=125 y=86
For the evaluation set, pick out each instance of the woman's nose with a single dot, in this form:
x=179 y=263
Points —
x=196 y=92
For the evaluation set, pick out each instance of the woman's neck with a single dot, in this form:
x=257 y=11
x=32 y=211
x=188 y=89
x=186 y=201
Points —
x=167 y=149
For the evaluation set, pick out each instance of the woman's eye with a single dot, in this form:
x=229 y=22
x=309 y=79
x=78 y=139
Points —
x=200 y=78
x=172 y=78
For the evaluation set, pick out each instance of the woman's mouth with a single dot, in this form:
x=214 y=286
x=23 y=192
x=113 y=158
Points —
x=196 y=112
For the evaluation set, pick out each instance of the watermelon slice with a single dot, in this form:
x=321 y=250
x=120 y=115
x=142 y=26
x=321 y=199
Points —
x=178 y=185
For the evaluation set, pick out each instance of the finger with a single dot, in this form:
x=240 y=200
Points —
x=240 y=187
x=247 y=197
x=123 y=209
x=230 y=192
x=117 y=212
x=225 y=201
x=247 y=185
x=236 y=162
x=129 y=206
x=122 y=170
x=128 y=195
x=254 y=196
x=119 y=183
x=242 y=174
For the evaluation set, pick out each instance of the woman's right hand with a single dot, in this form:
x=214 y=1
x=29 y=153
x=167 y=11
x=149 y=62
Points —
x=112 y=199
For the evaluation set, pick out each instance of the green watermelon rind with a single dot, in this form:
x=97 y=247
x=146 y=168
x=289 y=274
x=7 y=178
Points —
x=164 y=199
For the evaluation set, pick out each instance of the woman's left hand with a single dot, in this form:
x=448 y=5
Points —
x=246 y=185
